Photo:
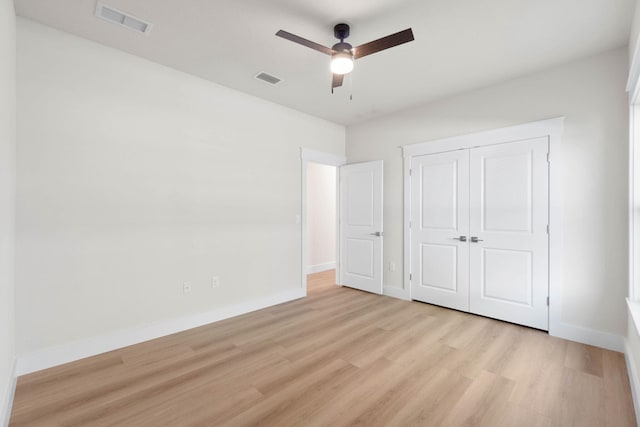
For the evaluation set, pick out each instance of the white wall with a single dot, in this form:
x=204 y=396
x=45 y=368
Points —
x=321 y=217
x=134 y=178
x=591 y=94
x=7 y=197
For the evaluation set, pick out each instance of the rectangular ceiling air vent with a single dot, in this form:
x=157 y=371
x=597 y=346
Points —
x=118 y=17
x=265 y=77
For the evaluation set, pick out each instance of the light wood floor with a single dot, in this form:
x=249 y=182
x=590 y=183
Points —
x=338 y=357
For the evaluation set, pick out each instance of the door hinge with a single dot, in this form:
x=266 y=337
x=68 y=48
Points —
x=547 y=301
x=548 y=158
x=410 y=276
x=547 y=228
x=410 y=171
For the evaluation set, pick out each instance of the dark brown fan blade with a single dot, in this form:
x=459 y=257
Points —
x=305 y=42
x=336 y=81
x=383 y=43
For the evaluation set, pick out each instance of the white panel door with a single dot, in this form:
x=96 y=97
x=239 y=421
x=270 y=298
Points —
x=439 y=229
x=361 y=233
x=509 y=188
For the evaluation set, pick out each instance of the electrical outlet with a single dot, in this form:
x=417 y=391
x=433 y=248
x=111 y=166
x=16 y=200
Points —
x=392 y=266
x=215 y=281
x=186 y=287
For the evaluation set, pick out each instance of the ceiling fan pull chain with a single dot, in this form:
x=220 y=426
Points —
x=351 y=87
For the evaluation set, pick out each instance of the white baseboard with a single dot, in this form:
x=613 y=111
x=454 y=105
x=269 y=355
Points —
x=634 y=381
x=58 y=355
x=395 y=292
x=7 y=398
x=587 y=336
x=321 y=267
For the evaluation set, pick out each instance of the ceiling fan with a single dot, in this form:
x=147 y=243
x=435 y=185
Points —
x=343 y=54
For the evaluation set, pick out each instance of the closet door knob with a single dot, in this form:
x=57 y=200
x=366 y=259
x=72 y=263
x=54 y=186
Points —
x=461 y=238
x=476 y=240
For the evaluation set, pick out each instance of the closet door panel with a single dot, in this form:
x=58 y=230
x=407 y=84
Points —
x=439 y=227
x=508 y=270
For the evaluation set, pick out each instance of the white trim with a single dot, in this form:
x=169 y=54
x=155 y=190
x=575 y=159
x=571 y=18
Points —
x=631 y=201
x=633 y=306
x=634 y=381
x=633 y=88
x=634 y=201
x=634 y=75
x=69 y=352
x=556 y=230
x=321 y=157
x=396 y=292
x=588 y=336
x=406 y=284
x=542 y=128
x=307 y=155
x=551 y=128
x=7 y=397
x=320 y=267
x=634 y=311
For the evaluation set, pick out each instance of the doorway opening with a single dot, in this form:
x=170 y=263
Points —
x=321 y=224
x=320 y=248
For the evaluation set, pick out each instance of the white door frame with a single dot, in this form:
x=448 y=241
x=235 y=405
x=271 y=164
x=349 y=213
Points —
x=307 y=155
x=633 y=88
x=551 y=128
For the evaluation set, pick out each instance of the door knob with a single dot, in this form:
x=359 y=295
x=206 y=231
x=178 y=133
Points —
x=378 y=233
x=476 y=240
x=461 y=238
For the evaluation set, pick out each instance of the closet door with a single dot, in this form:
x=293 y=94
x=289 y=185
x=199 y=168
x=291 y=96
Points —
x=508 y=242
x=439 y=229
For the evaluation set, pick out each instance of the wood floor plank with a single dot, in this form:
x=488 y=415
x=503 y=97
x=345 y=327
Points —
x=516 y=415
x=539 y=388
x=349 y=401
x=388 y=342
x=619 y=405
x=483 y=401
x=583 y=400
x=432 y=403
x=276 y=410
x=338 y=357
x=400 y=389
x=584 y=358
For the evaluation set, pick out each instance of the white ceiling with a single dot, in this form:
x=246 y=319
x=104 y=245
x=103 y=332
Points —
x=460 y=44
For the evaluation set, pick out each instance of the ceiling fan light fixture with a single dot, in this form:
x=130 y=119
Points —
x=341 y=63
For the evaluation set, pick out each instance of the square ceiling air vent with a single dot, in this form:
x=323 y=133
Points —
x=268 y=78
x=121 y=18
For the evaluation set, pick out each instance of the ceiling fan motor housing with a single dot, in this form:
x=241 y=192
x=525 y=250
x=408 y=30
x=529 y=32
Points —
x=342 y=47
x=341 y=31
